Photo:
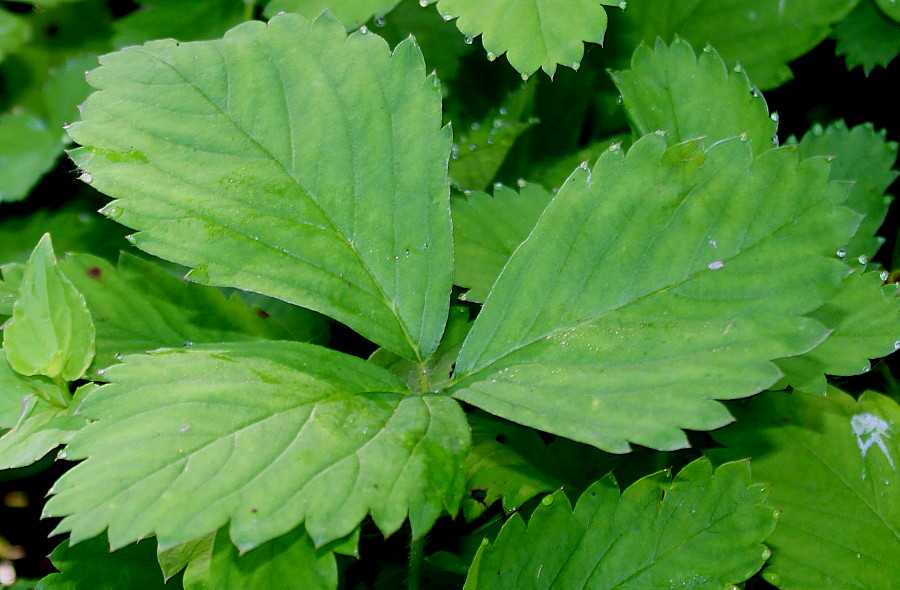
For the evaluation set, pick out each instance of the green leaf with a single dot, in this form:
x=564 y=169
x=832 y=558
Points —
x=139 y=307
x=41 y=427
x=51 y=332
x=290 y=561
x=867 y=38
x=864 y=158
x=762 y=36
x=28 y=149
x=487 y=230
x=555 y=172
x=90 y=566
x=833 y=465
x=706 y=532
x=889 y=8
x=651 y=286
x=266 y=435
x=14 y=32
x=352 y=13
x=323 y=163
x=864 y=319
x=669 y=88
x=14 y=389
x=480 y=150
x=9 y=287
x=175 y=559
x=538 y=34
x=185 y=21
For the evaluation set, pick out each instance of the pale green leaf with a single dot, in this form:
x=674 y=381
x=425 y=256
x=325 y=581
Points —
x=139 y=307
x=51 y=332
x=865 y=158
x=321 y=159
x=668 y=88
x=864 y=317
x=15 y=389
x=264 y=435
x=706 y=532
x=867 y=38
x=90 y=566
x=480 y=150
x=651 y=287
x=487 y=230
x=290 y=561
x=536 y=34
x=14 y=31
x=889 y=8
x=352 y=13
x=9 y=286
x=763 y=37
x=833 y=465
x=41 y=427
x=176 y=19
x=28 y=149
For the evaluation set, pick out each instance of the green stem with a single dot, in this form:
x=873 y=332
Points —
x=249 y=9
x=424 y=382
x=416 y=556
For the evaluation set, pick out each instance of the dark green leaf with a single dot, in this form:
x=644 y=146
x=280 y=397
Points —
x=867 y=38
x=90 y=566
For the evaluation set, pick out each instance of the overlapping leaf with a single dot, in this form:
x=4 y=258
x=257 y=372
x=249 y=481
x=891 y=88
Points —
x=139 y=307
x=266 y=435
x=538 y=34
x=487 y=230
x=314 y=187
x=889 y=8
x=669 y=88
x=833 y=464
x=762 y=36
x=352 y=13
x=14 y=31
x=867 y=38
x=290 y=561
x=651 y=286
x=91 y=565
x=707 y=532
x=185 y=21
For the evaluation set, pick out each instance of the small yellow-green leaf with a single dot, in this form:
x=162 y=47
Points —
x=51 y=332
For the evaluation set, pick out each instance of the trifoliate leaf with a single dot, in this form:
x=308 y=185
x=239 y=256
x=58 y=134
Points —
x=865 y=158
x=864 y=317
x=51 y=332
x=487 y=230
x=669 y=88
x=324 y=170
x=266 y=435
x=706 y=532
x=185 y=21
x=290 y=561
x=41 y=426
x=480 y=150
x=763 y=37
x=14 y=31
x=833 y=465
x=28 y=149
x=538 y=34
x=889 y=8
x=867 y=38
x=652 y=286
x=90 y=566
x=352 y=13
x=139 y=307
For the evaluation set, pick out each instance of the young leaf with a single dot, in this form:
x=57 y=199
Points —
x=669 y=88
x=28 y=149
x=867 y=38
x=651 y=286
x=833 y=464
x=762 y=36
x=91 y=565
x=51 y=332
x=139 y=307
x=864 y=319
x=707 y=532
x=864 y=158
x=15 y=388
x=323 y=169
x=352 y=13
x=487 y=230
x=539 y=34
x=290 y=561
x=266 y=435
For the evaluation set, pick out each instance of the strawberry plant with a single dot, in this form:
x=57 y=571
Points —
x=389 y=314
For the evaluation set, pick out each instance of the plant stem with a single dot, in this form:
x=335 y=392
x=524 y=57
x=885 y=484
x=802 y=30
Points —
x=416 y=555
x=249 y=9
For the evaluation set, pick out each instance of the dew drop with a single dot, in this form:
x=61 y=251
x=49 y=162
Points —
x=185 y=428
x=708 y=48
x=863 y=259
x=502 y=110
x=469 y=40
x=583 y=165
x=473 y=146
x=447 y=16
x=716 y=265
x=62 y=455
x=744 y=137
x=754 y=92
x=714 y=243
x=885 y=275
x=547 y=500
x=774 y=117
x=476 y=125
x=738 y=68
x=521 y=183
x=101 y=371
x=491 y=56
x=525 y=77
x=766 y=554
x=576 y=65
x=363 y=30
x=86 y=177
x=423 y=3
x=897 y=345
x=615 y=146
x=188 y=343
x=620 y=100
x=841 y=253
x=379 y=21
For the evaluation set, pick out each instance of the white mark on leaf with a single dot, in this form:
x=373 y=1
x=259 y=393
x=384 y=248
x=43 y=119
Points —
x=871 y=430
x=716 y=265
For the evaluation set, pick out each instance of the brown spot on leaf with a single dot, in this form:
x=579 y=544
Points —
x=95 y=272
x=263 y=314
